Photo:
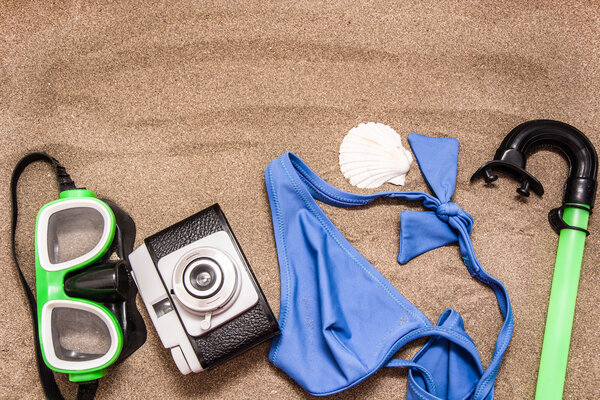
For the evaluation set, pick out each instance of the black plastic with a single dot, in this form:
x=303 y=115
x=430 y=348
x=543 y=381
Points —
x=125 y=310
x=510 y=158
x=106 y=282
x=557 y=222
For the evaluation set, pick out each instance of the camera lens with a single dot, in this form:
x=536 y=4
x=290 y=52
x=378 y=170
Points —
x=203 y=277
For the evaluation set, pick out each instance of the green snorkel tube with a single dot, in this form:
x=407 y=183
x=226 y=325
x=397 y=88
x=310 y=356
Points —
x=570 y=221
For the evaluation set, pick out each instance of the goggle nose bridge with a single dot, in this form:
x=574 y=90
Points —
x=106 y=283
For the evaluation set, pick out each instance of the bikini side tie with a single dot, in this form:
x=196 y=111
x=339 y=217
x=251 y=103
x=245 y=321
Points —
x=421 y=231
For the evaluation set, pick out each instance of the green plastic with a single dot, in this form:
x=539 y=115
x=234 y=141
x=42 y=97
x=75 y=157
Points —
x=82 y=376
x=50 y=286
x=561 y=308
x=77 y=193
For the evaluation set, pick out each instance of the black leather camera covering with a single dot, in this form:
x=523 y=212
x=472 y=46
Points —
x=234 y=337
x=241 y=333
x=191 y=229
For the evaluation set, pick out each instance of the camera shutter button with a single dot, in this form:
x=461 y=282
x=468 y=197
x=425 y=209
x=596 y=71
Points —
x=180 y=360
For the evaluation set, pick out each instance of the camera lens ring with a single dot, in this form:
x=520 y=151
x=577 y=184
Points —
x=199 y=266
x=227 y=288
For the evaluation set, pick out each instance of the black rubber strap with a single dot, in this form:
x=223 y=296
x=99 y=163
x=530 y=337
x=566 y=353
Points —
x=87 y=390
x=557 y=222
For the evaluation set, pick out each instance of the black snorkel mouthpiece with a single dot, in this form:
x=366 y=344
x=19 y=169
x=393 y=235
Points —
x=510 y=158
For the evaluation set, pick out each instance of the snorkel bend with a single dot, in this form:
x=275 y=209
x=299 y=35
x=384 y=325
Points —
x=578 y=200
x=510 y=157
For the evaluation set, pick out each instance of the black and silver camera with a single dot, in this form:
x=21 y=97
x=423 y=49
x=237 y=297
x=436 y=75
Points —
x=200 y=292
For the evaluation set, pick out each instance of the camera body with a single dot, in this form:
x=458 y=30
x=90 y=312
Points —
x=200 y=292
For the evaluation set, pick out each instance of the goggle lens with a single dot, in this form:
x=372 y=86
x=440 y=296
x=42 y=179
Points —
x=79 y=335
x=73 y=232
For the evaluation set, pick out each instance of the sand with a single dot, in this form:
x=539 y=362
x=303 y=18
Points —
x=169 y=107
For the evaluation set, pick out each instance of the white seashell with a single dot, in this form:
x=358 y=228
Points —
x=371 y=154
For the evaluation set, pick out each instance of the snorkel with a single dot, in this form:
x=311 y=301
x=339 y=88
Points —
x=570 y=221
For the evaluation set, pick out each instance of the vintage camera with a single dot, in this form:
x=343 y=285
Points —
x=200 y=292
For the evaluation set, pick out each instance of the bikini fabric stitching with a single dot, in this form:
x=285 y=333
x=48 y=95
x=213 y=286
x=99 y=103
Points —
x=283 y=314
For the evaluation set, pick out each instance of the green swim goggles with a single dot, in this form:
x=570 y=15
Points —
x=85 y=304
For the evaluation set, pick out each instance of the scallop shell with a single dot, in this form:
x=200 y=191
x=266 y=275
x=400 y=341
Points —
x=371 y=154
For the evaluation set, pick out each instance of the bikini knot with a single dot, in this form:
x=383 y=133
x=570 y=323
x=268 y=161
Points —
x=447 y=210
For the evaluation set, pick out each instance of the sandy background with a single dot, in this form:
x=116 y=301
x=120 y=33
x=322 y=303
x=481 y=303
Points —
x=170 y=107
